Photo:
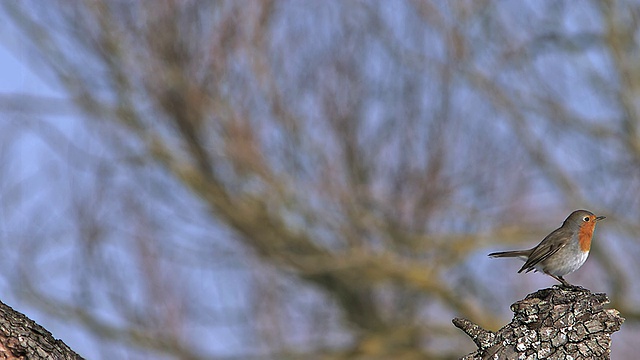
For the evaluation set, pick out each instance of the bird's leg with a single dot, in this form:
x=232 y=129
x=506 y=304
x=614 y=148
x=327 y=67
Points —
x=564 y=282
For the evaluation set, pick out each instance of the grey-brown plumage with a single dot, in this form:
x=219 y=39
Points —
x=561 y=252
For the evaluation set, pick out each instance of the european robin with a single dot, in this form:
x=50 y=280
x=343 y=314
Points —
x=561 y=252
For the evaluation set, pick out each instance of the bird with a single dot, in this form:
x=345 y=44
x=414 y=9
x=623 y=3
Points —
x=561 y=252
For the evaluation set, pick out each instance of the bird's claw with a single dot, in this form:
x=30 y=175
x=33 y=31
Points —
x=572 y=287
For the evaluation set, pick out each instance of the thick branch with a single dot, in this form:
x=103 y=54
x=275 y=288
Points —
x=553 y=323
x=22 y=338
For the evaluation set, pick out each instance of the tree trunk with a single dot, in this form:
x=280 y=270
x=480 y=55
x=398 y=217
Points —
x=552 y=323
x=22 y=338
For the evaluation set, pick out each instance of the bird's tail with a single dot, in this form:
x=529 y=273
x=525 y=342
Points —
x=515 y=253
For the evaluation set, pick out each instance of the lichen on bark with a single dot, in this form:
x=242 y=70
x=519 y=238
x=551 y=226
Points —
x=553 y=323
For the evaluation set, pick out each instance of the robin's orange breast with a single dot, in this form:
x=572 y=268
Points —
x=585 y=234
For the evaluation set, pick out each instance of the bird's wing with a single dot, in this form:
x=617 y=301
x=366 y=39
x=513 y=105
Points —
x=546 y=248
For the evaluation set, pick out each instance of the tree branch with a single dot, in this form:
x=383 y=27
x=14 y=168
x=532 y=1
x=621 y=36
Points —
x=22 y=338
x=550 y=323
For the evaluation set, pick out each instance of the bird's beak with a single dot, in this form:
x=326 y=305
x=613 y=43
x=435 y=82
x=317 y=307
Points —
x=600 y=218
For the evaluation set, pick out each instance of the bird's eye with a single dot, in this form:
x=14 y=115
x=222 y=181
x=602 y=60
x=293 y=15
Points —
x=586 y=219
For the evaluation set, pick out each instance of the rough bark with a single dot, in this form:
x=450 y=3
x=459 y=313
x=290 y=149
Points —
x=554 y=323
x=22 y=338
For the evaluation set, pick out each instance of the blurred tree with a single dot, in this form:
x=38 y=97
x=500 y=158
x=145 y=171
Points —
x=294 y=179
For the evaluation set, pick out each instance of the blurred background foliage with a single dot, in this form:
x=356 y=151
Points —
x=311 y=179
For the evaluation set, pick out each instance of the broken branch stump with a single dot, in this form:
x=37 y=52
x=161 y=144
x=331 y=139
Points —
x=553 y=323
